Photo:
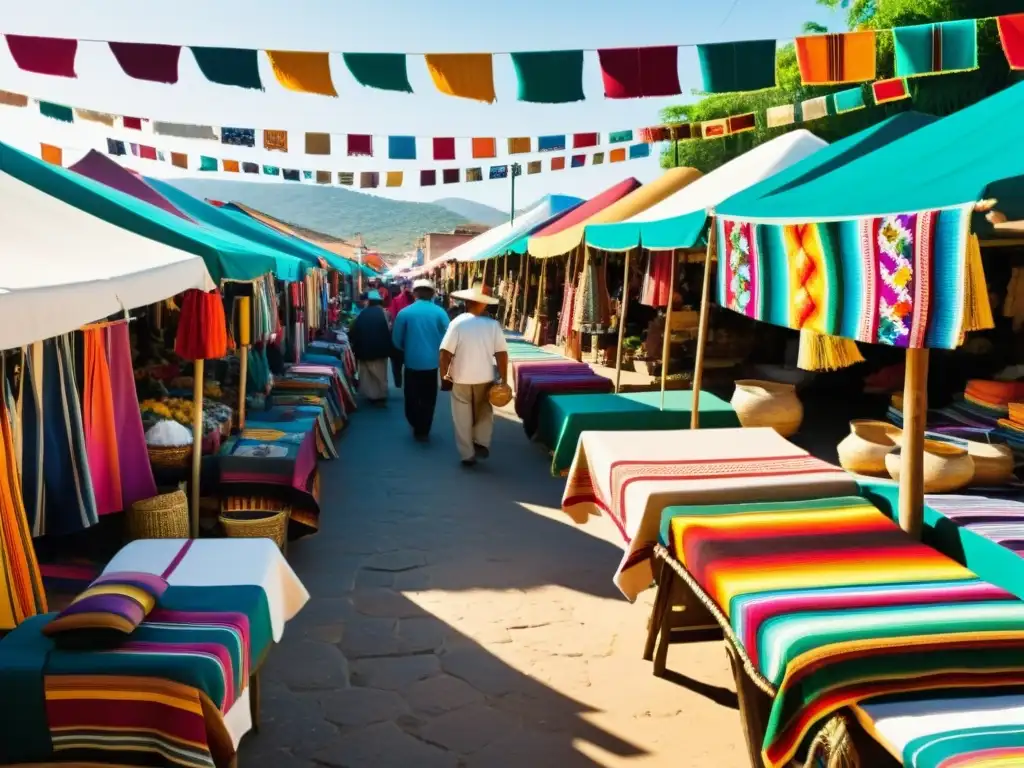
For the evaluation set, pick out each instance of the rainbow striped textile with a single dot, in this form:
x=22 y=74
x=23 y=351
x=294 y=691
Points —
x=830 y=604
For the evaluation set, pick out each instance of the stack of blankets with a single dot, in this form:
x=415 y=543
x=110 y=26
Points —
x=537 y=379
x=990 y=407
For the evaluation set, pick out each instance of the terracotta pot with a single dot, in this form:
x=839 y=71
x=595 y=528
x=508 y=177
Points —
x=947 y=467
x=768 y=404
x=863 y=451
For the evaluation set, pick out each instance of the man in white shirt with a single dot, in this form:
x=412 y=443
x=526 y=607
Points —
x=472 y=345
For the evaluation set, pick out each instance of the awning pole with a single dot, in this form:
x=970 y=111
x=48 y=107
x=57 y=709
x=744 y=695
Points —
x=197 y=441
x=915 y=412
x=244 y=339
x=622 y=321
x=702 y=330
x=666 y=342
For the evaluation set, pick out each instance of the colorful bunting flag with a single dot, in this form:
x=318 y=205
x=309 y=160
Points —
x=834 y=59
x=578 y=161
x=275 y=141
x=249 y=167
x=849 y=100
x=633 y=73
x=239 y=67
x=549 y=77
x=450 y=175
x=384 y=71
x=402 y=147
x=393 y=179
x=323 y=177
x=931 y=49
x=894 y=89
x=814 y=109
x=291 y=174
x=784 y=114
x=521 y=145
x=617 y=155
x=185 y=131
x=271 y=170
x=653 y=134
x=115 y=147
x=620 y=137
x=680 y=131
x=551 y=143
x=558 y=163
x=149 y=153
x=636 y=151
x=155 y=62
x=11 y=99
x=54 y=56
x=303 y=71
x=484 y=148
x=584 y=140
x=51 y=154
x=132 y=123
x=466 y=75
x=742 y=123
x=444 y=148
x=207 y=163
x=92 y=116
x=499 y=172
x=228 y=166
x=533 y=167
x=307 y=175
x=134 y=148
x=428 y=178
x=360 y=145
x=598 y=159
x=180 y=160
x=734 y=67
x=475 y=174
x=346 y=178
x=56 y=111
x=318 y=143
x=1011 y=35
x=238 y=137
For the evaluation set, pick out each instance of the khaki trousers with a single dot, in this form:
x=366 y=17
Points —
x=473 y=417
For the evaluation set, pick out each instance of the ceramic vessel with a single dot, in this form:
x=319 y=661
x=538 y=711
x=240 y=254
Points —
x=768 y=404
x=993 y=464
x=947 y=467
x=863 y=451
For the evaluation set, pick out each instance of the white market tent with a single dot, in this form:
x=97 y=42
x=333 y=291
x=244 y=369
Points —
x=678 y=220
x=62 y=268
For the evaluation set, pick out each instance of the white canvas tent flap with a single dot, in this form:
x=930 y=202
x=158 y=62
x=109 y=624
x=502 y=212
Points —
x=62 y=268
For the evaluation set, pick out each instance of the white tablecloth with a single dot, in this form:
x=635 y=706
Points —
x=630 y=477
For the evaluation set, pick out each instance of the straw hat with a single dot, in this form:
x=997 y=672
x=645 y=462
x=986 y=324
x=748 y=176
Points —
x=428 y=284
x=478 y=294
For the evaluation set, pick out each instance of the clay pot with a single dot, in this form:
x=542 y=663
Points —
x=947 y=467
x=863 y=451
x=993 y=464
x=768 y=404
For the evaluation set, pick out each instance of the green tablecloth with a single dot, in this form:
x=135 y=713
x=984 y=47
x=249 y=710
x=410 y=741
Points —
x=564 y=417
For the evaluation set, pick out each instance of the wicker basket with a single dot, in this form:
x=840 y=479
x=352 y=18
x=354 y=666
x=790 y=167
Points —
x=169 y=456
x=256 y=524
x=161 y=517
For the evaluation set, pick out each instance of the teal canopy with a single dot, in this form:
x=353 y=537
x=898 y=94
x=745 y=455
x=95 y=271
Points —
x=226 y=256
x=971 y=155
x=246 y=227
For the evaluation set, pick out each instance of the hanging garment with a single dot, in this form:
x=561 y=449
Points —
x=99 y=423
x=656 y=288
x=202 y=327
x=137 y=481
x=56 y=483
x=592 y=306
x=565 y=317
x=21 y=584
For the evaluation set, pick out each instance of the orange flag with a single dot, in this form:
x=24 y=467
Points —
x=467 y=75
x=303 y=71
x=51 y=154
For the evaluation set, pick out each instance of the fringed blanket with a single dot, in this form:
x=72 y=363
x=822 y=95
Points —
x=897 y=280
x=831 y=604
x=630 y=477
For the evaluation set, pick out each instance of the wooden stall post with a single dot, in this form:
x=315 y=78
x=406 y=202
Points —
x=915 y=412
x=667 y=341
x=486 y=264
x=542 y=286
x=526 y=292
x=504 y=266
x=702 y=330
x=197 y=441
x=622 y=321
x=244 y=340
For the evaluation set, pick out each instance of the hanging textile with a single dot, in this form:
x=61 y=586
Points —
x=735 y=67
x=565 y=317
x=99 y=423
x=136 y=472
x=202 y=329
x=931 y=49
x=21 y=584
x=467 y=75
x=657 y=279
x=832 y=59
x=1011 y=35
x=592 y=313
x=56 y=483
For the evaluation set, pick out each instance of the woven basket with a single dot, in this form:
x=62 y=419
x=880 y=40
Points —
x=256 y=525
x=500 y=395
x=160 y=517
x=169 y=456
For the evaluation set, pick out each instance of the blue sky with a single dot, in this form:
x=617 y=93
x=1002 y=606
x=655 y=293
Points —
x=413 y=26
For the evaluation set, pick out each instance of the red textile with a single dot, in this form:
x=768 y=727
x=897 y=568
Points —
x=428 y=178
x=1011 y=34
x=632 y=73
x=44 y=55
x=99 y=424
x=360 y=145
x=155 y=62
x=147 y=153
x=444 y=149
x=134 y=123
x=581 y=140
x=653 y=134
x=202 y=328
x=741 y=123
x=656 y=290
x=450 y=175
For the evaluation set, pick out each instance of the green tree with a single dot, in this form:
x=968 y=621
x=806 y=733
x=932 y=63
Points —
x=939 y=95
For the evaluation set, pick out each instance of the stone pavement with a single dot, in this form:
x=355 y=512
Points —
x=459 y=619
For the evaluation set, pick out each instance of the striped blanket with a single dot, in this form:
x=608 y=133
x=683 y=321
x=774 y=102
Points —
x=999 y=520
x=537 y=386
x=158 y=699
x=524 y=368
x=832 y=604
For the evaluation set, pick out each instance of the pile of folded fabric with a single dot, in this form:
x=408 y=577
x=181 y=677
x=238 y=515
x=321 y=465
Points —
x=1011 y=427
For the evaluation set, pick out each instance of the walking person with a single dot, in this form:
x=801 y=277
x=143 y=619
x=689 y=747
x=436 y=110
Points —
x=371 y=344
x=472 y=346
x=418 y=331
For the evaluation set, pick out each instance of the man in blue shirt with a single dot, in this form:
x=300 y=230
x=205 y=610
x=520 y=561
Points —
x=418 y=331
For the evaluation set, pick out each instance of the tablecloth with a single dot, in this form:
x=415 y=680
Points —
x=537 y=387
x=521 y=368
x=630 y=477
x=564 y=417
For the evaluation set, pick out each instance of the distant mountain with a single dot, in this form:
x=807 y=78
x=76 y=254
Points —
x=475 y=212
x=389 y=226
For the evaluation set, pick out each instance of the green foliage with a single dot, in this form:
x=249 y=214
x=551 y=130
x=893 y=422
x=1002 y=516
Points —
x=939 y=95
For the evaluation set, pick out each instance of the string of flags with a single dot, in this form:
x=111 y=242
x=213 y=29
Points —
x=427 y=177
x=553 y=77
